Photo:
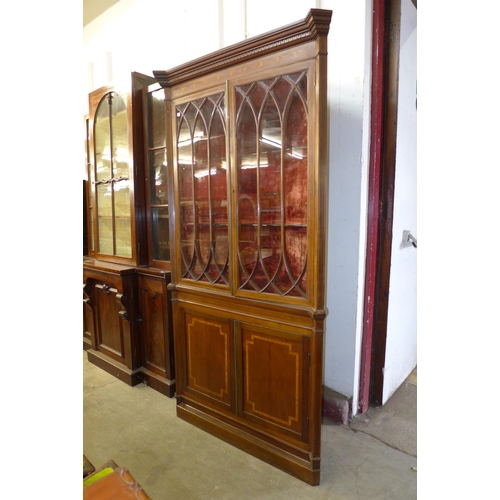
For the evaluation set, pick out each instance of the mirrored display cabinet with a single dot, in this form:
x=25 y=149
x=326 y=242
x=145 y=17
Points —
x=248 y=139
x=127 y=310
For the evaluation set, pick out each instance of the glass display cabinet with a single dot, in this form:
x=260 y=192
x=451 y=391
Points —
x=116 y=173
x=157 y=176
x=87 y=242
x=127 y=326
x=155 y=309
x=249 y=150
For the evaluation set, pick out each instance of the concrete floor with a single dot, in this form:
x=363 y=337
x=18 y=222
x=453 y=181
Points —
x=372 y=458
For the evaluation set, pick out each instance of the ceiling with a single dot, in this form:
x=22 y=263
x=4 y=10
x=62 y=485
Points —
x=94 y=8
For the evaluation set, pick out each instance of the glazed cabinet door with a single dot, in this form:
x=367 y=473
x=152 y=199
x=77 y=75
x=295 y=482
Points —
x=272 y=171
x=158 y=183
x=202 y=189
x=116 y=172
x=113 y=177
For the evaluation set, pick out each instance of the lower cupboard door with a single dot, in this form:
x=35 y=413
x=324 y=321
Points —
x=274 y=380
x=109 y=325
x=209 y=363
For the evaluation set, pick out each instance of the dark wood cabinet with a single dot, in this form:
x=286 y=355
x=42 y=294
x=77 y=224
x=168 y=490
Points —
x=208 y=230
x=88 y=316
x=155 y=313
x=116 y=172
x=249 y=153
x=115 y=345
x=127 y=309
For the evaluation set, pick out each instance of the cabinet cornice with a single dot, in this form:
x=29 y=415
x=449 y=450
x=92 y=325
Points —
x=315 y=24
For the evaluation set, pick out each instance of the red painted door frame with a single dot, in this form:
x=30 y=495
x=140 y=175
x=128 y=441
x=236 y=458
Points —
x=384 y=106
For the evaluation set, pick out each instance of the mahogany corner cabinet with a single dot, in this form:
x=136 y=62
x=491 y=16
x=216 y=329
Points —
x=127 y=318
x=249 y=153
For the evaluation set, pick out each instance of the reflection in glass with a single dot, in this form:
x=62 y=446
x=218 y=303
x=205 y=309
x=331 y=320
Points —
x=122 y=198
x=123 y=237
x=158 y=176
x=156 y=122
x=102 y=143
x=120 y=139
x=161 y=238
x=271 y=152
x=105 y=230
x=104 y=199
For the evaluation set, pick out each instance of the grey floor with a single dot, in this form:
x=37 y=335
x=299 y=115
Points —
x=374 y=457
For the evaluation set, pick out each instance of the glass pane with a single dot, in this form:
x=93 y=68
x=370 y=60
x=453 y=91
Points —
x=91 y=216
x=123 y=237
x=247 y=252
x=247 y=149
x=221 y=248
x=102 y=141
x=156 y=103
x=218 y=168
x=202 y=170
x=185 y=115
x=187 y=237
x=295 y=260
x=271 y=152
x=112 y=163
x=105 y=228
x=158 y=176
x=119 y=137
x=160 y=236
x=104 y=200
x=295 y=160
x=200 y=163
x=122 y=198
x=158 y=180
x=185 y=153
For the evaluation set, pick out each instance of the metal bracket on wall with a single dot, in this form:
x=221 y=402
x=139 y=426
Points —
x=409 y=238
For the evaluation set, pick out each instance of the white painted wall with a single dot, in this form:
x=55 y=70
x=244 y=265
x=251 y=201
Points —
x=147 y=35
x=401 y=349
x=349 y=48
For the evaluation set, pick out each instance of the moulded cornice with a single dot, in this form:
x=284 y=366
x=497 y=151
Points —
x=315 y=24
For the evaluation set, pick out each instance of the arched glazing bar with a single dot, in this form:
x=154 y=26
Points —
x=201 y=150
x=271 y=136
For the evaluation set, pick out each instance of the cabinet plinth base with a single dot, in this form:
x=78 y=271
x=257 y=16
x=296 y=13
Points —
x=130 y=377
x=306 y=471
x=158 y=383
